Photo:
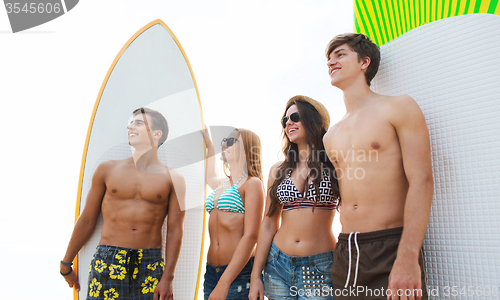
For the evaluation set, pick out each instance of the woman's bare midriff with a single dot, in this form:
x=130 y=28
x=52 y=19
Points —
x=304 y=232
x=225 y=230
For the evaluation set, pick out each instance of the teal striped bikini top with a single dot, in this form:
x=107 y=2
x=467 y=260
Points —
x=229 y=200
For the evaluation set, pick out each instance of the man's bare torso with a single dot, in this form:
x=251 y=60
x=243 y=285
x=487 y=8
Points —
x=365 y=150
x=134 y=205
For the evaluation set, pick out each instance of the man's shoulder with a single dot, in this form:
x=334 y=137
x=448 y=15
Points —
x=399 y=100
x=398 y=105
x=175 y=176
x=331 y=132
x=403 y=110
x=172 y=172
x=110 y=164
x=115 y=162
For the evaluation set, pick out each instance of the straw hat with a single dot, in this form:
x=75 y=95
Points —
x=318 y=106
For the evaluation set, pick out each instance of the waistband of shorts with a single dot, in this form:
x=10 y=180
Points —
x=276 y=252
x=148 y=255
x=222 y=268
x=368 y=237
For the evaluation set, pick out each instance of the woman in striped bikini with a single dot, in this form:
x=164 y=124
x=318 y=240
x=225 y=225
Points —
x=236 y=208
x=294 y=252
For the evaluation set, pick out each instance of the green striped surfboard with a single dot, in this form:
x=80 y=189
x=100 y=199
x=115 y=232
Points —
x=384 y=20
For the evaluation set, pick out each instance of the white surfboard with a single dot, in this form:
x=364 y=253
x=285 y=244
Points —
x=151 y=71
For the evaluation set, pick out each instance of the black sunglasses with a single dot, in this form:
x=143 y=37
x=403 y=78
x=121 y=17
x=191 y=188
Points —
x=294 y=117
x=228 y=141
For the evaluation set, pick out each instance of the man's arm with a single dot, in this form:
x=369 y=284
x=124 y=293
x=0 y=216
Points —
x=85 y=225
x=175 y=221
x=413 y=135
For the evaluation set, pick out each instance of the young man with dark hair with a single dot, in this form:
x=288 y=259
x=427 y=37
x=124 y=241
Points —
x=134 y=195
x=381 y=152
x=158 y=122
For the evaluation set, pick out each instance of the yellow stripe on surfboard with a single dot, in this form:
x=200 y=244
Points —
x=384 y=20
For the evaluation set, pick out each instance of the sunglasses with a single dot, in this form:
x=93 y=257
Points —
x=228 y=141
x=294 y=117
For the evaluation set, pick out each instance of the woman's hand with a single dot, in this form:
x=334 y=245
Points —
x=210 y=175
x=219 y=293
x=256 y=289
x=206 y=136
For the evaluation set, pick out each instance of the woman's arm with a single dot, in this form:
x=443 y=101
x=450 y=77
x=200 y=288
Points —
x=210 y=176
x=254 y=209
x=268 y=229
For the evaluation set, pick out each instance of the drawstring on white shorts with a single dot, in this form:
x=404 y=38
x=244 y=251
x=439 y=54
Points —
x=357 y=259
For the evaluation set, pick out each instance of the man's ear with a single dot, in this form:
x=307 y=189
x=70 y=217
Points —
x=158 y=133
x=365 y=63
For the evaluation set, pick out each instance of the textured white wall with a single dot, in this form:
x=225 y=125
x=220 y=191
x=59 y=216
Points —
x=451 y=67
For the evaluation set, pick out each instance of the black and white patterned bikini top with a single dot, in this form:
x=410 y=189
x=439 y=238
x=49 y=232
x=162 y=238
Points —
x=291 y=198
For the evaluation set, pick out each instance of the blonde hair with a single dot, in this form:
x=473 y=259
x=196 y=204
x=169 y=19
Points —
x=252 y=146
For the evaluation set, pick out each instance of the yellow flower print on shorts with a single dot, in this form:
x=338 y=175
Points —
x=117 y=272
x=95 y=288
x=153 y=266
x=110 y=294
x=100 y=265
x=121 y=255
x=149 y=285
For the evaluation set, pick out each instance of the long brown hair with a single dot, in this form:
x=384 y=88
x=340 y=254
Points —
x=253 y=150
x=317 y=162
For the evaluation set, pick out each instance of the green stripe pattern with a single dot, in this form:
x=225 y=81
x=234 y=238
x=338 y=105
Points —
x=384 y=20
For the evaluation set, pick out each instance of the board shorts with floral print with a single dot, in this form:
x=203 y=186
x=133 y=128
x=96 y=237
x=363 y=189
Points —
x=118 y=273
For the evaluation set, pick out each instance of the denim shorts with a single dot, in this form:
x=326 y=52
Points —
x=298 y=277
x=238 y=289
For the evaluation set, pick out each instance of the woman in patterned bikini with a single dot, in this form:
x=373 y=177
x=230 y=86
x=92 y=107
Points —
x=236 y=208
x=295 y=248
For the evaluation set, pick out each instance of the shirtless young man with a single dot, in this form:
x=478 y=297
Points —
x=381 y=152
x=134 y=195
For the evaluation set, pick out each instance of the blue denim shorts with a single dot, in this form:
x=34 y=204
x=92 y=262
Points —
x=298 y=277
x=239 y=288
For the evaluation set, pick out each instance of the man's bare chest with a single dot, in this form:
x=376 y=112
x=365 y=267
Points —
x=359 y=140
x=138 y=185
